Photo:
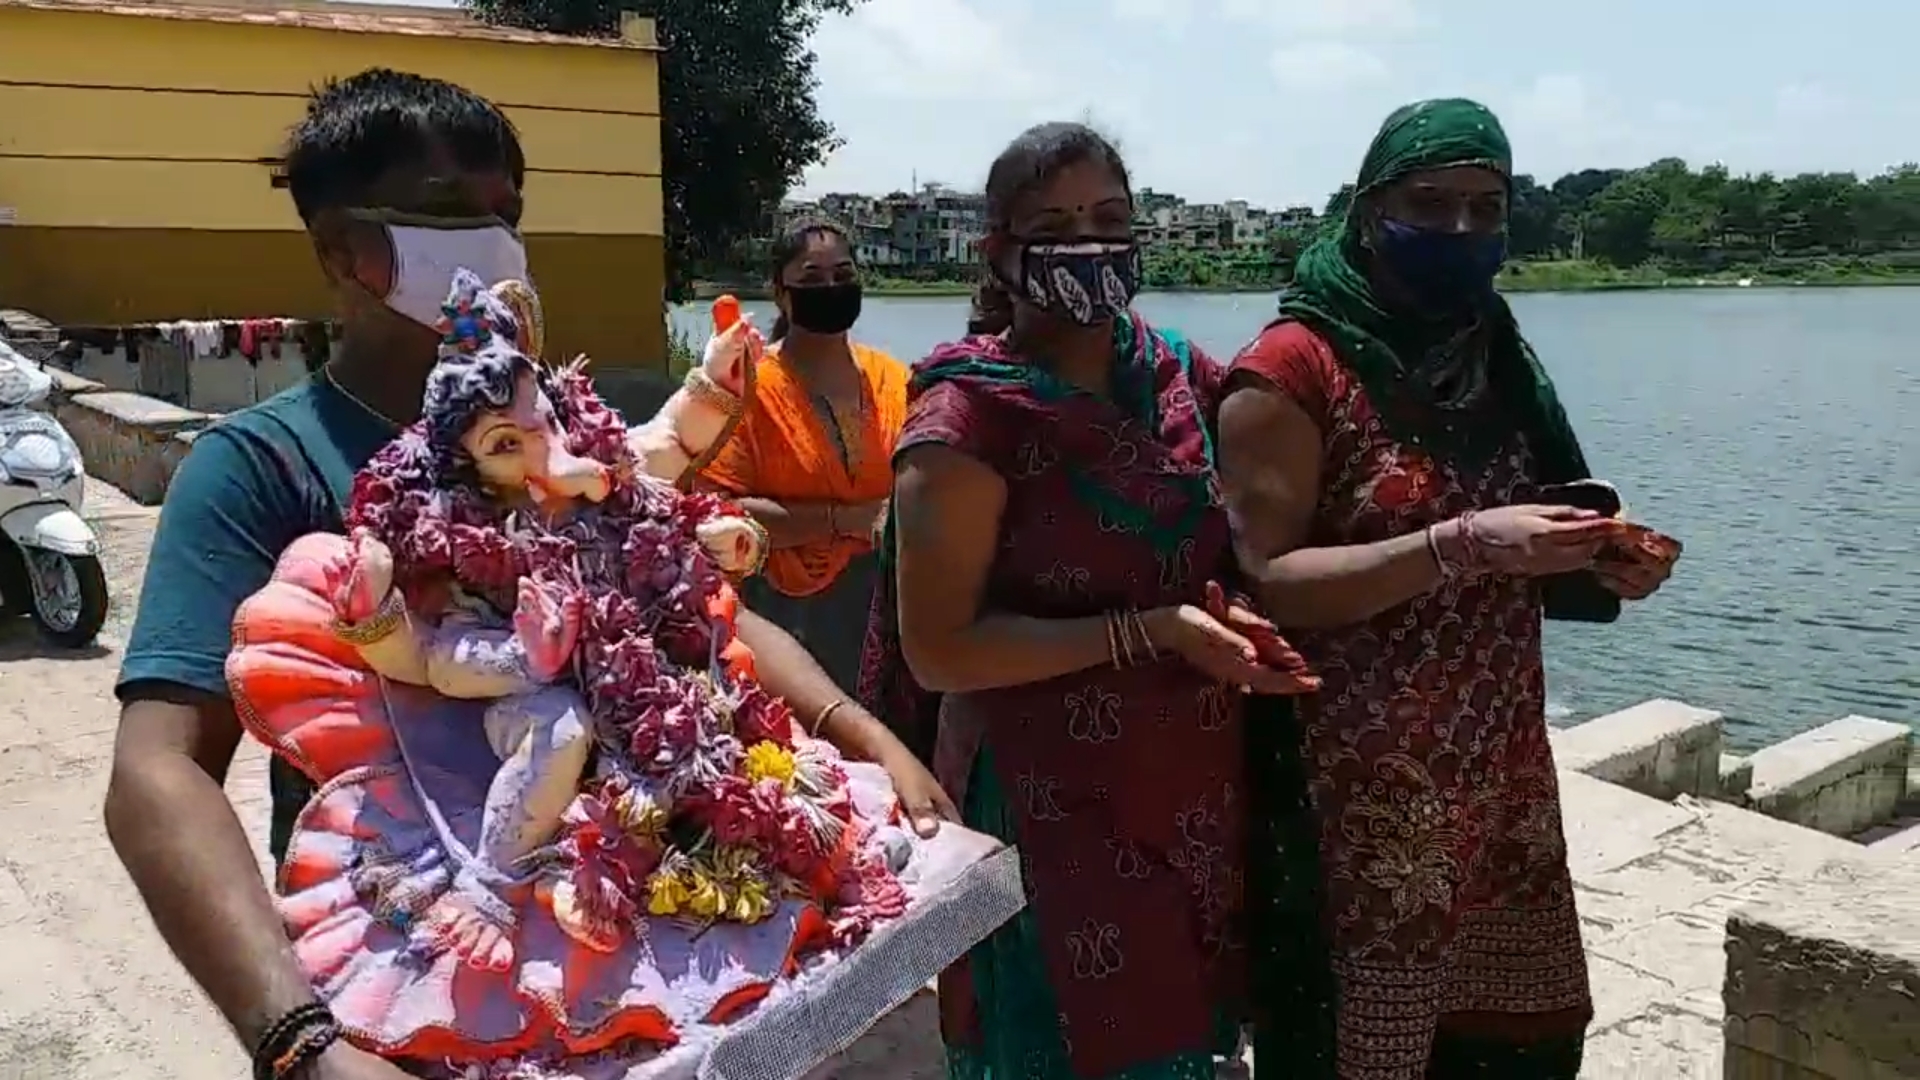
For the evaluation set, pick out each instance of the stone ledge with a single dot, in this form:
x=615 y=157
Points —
x=1736 y=778
x=67 y=385
x=1840 y=778
x=1659 y=748
x=129 y=440
x=1899 y=840
x=1608 y=827
x=1823 y=976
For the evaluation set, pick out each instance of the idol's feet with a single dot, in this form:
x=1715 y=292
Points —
x=472 y=924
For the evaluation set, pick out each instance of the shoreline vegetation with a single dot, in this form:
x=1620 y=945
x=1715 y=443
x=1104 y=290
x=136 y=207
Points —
x=1543 y=276
x=1662 y=226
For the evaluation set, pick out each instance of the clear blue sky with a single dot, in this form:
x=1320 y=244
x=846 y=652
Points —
x=1274 y=100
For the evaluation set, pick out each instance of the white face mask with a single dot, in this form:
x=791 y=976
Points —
x=425 y=259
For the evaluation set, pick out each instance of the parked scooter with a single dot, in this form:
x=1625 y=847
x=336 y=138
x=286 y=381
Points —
x=49 y=555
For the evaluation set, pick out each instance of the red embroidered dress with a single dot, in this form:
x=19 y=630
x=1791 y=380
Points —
x=1447 y=887
x=1124 y=789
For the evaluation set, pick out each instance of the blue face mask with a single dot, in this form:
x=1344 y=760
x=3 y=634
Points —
x=1445 y=271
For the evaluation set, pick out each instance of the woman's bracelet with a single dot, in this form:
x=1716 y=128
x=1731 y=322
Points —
x=294 y=1041
x=1466 y=557
x=1139 y=623
x=1126 y=629
x=825 y=714
x=1447 y=567
x=701 y=387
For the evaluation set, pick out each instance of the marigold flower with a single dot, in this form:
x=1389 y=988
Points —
x=666 y=893
x=705 y=898
x=769 y=761
x=752 y=902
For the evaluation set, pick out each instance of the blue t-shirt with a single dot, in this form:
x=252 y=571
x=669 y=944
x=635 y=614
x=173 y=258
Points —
x=252 y=484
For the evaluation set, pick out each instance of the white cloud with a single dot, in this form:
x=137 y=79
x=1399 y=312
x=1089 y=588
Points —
x=1565 y=102
x=1806 y=102
x=1562 y=121
x=1565 y=121
x=1170 y=15
x=1327 y=17
x=1325 y=65
x=927 y=49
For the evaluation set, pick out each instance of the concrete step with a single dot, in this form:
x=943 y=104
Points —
x=1897 y=838
x=1736 y=777
x=1840 y=778
x=1659 y=748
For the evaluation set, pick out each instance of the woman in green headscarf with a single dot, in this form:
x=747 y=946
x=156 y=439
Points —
x=1383 y=450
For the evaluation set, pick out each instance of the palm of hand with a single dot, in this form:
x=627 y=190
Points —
x=548 y=626
x=1517 y=542
x=363 y=577
x=1270 y=648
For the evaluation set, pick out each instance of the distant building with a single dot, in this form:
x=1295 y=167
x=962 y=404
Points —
x=940 y=227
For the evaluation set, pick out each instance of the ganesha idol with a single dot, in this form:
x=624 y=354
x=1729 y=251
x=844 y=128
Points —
x=561 y=831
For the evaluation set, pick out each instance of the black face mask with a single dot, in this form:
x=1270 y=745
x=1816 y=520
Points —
x=824 y=309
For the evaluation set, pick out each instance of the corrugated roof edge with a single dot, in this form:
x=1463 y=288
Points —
x=368 y=19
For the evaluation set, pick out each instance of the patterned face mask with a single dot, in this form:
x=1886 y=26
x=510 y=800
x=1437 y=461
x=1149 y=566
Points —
x=1088 y=281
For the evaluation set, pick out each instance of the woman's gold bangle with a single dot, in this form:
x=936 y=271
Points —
x=703 y=388
x=825 y=714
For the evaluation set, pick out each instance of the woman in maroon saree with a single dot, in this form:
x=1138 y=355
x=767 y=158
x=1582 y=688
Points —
x=1056 y=550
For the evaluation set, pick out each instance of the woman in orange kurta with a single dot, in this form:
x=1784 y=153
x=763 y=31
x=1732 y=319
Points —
x=811 y=458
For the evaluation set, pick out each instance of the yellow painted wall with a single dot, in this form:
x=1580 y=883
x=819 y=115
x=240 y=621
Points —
x=153 y=138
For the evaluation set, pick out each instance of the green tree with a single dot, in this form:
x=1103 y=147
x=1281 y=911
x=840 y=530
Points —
x=738 y=119
x=1533 y=218
x=1750 y=212
x=1816 y=212
x=1619 y=221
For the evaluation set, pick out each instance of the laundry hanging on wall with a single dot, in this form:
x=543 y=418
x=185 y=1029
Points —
x=254 y=339
x=165 y=352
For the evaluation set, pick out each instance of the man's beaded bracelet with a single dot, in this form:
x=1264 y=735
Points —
x=294 y=1041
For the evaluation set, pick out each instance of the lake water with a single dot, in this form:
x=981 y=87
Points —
x=1776 y=432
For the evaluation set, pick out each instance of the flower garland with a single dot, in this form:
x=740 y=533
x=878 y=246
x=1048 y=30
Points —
x=705 y=806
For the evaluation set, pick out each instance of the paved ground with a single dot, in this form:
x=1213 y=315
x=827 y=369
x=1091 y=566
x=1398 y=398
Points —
x=88 y=992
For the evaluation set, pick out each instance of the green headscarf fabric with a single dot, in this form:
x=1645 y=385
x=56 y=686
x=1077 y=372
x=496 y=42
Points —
x=1331 y=294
